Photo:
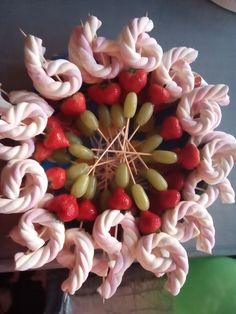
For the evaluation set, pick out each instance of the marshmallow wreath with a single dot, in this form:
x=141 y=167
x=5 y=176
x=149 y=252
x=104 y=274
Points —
x=92 y=59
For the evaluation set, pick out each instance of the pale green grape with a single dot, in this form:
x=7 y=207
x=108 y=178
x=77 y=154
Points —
x=151 y=143
x=80 y=186
x=81 y=151
x=130 y=105
x=91 y=189
x=156 y=180
x=117 y=116
x=140 y=197
x=77 y=170
x=89 y=120
x=144 y=113
x=104 y=116
x=164 y=157
x=122 y=175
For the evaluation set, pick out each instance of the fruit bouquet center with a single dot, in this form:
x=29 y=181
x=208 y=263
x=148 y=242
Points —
x=115 y=152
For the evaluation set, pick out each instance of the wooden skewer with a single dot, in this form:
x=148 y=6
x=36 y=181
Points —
x=121 y=151
x=135 y=131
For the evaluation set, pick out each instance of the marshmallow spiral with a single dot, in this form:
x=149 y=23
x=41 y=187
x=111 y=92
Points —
x=22 y=151
x=84 y=253
x=161 y=253
x=41 y=254
x=96 y=57
x=194 y=215
x=137 y=48
x=14 y=200
x=41 y=72
x=204 y=102
x=124 y=258
x=175 y=72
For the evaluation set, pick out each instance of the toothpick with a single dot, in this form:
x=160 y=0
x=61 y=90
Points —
x=102 y=135
x=121 y=151
x=135 y=131
x=81 y=225
x=141 y=160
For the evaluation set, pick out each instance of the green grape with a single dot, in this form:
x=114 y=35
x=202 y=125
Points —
x=117 y=116
x=156 y=180
x=89 y=120
x=60 y=155
x=149 y=126
x=83 y=128
x=91 y=189
x=103 y=200
x=81 y=151
x=151 y=143
x=130 y=105
x=164 y=157
x=122 y=175
x=72 y=138
x=104 y=116
x=77 y=170
x=144 y=114
x=80 y=186
x=140 y=197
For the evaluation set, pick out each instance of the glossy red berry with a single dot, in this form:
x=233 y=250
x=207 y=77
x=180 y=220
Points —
x=175 y=179
x=190 y=156
x=119 y=199
x=133 y=80
x=56 y=139
x=167 y=199
x=56 y=177
x=171 y=128
x=105 y=93
x=42 y=153
x=74 y=105
x=157 y=94
x=87 y=211
x=148 y=222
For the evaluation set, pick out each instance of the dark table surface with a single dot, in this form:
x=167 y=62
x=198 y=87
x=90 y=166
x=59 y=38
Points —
x=194 y=23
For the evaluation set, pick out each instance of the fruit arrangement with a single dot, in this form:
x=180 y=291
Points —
x=116 y=152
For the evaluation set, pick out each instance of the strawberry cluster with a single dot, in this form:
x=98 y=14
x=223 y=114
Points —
x=66 y=131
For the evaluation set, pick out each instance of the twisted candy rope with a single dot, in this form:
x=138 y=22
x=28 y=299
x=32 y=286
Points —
x=124 y=258
x=40 y=254
x=175 y=64
x=17 y=201
x=194 y=215
x=83 y=260
x=42 y=71
x=203 y=101
x=22 y=151
x=161 y=253
x=137 y=48
x=210 y=194
x=96 y=57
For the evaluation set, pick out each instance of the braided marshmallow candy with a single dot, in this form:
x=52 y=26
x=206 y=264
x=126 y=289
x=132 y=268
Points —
x=122 y=259
x=26 y=119
x=175 y=72
x=22 y=151
x=41 y=72
x=14 y=200
x=208 y=195
x=137 y=48
x=195 y=216
x=80 y=262
x=96 y=57
x=161 y=253
x=203 y=101
x=45 y=248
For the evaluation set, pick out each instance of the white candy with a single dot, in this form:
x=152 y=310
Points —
x=14 y=200
x=83 y=259
x=203 y=101
x=96 y=57
x=194 y=215
x=137 y=48
x=42 y=72
x=123 y=260
x=161 y=253
x=175 y=72
x=53 y=241
x=22 y=151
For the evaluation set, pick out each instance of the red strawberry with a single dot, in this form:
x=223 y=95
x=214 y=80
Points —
x=133 y=80
x=65 y=206
x=105 y=93
x=167 y=199
x=56 y=177
x=171 y=128
x=119 y=200
x=55 y=139
x=53 y=122
x=42 y=153
x=148 y=222
x=175 y=179
x=74 y=105
x=157 y=94
x=87 y=211
x=190 y=156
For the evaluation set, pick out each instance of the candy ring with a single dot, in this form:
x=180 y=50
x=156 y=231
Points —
x=210 y=136
x=42 y=71
x=138 y=50
x=195 y=216
x=22 y=151
x=41 y=254
x=18 y=201
x=161 y=253
x=175 y=72
x=123 y=259
x=96 y=57
x=82 y=261
x=203 y=101
x=218 y=158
